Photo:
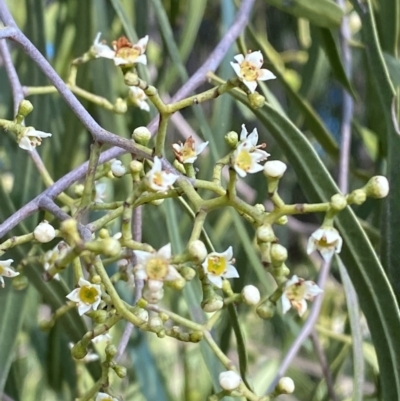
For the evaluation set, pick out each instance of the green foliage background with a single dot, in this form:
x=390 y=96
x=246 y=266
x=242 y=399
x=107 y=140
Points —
x=300 y=123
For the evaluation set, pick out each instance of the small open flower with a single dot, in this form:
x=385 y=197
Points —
x=326 y=240
x=6 y=271
x=155 y=268
x=123 y=52
x=159 y=180
x=31 y=138
x=297 y=292
x=105 y=397
x=87 y=296
x=188 y=152
x=218 y=266
x=247 y=156
x=138 y=98
x=249 y=70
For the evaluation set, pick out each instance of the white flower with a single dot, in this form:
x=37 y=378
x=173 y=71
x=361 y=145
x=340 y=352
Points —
x=44 y=232
x=249 y=70
x=229 y=380
x=105 y=397
x=117 y=168
x=87 y=296
x=247 y=155
x=159 y=180
x=123 y=52
x=251 y=295
x=155 y=268
x=218 y=266
x=57 y=253
x=31 y=138
x=138 y=97
x=100 y=189
x=297 y=291
x=326 y=240
x=6 y=271
x=188 y=152
x=102 y=337
x=274 y=169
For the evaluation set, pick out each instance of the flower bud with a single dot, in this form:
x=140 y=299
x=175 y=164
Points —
x=120 y=371
x=229 y=380
x=377 y=187
x=110 y=247
x=274 y=169
x=196 y=336
x=232 y=139
x=152 y=297
x=78 y=351
x=251 y=295
x=198 y=250
x=338 y=202
x=44 y=232
x=99 y=316
x=20 y=282
x=285 y=386
x=278 y=253
x=117 y=168
x=256 y=100
x=157 y=202
x=212 y=304
x=24 y=108
x=265 y=233
x=120 y=106
x=358 y=197
x=177 y=284
x=187 y=273
x=141 y=135
x=260 y=207
x=142 y=314
x=136 y=166
x=111 y=350
x=155 y=323
x=282 y=221
x=266 y=310
x=78 y=190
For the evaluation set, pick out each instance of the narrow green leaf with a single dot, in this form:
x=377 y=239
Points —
x=393 y=65
x=13 y=304
x=323 y=13
x=333 y=54
x=388 y=20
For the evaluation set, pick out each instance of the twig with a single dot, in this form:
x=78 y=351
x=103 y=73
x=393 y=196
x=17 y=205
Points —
x=324 y=364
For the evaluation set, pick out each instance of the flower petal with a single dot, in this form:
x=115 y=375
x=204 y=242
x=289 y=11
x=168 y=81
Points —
x=256 y=58
x=243 y=133
x=165 y=252
x=239 y=58
x=231 y=272
x=216 y=280
x=265 y=75
x=236 y=68
x=251 y=85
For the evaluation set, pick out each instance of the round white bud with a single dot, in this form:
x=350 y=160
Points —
x=198 y=250
x=229 y=380
x=251 y=295
x=265 y=233
x=44 y=232
x=338 y=202
x=117 y=168
x=377 y=187
x=212 y=305
x=285 y=386
x=142 y=314
x=278 y=253
x=274 y=168
x=155 y=322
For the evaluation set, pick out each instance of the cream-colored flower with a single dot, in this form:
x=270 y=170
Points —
x=138 y=97
x=218 y=266
x=159 y=180
x=123 y=52
x=188 y=152
x=100 y=188
x=326 y=240
x=297 y=292
x=57 y=253
x=247 y=156
x=105 y=397
x=6 y=271
x=155 y=268
x=248 y=69
x=31 y=138
x=87 y=296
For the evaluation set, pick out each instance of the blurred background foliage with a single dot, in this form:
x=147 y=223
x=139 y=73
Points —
x=301 y=44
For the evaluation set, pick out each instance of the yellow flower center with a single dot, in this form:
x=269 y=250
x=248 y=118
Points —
x=248 y=71
x=187 y=152
x=88 y=294
x=158 y=178
x=157 y=268
x=295 y=292
x=1 y=270
x=129 y=54
x=216 y=265
x=243 y=160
